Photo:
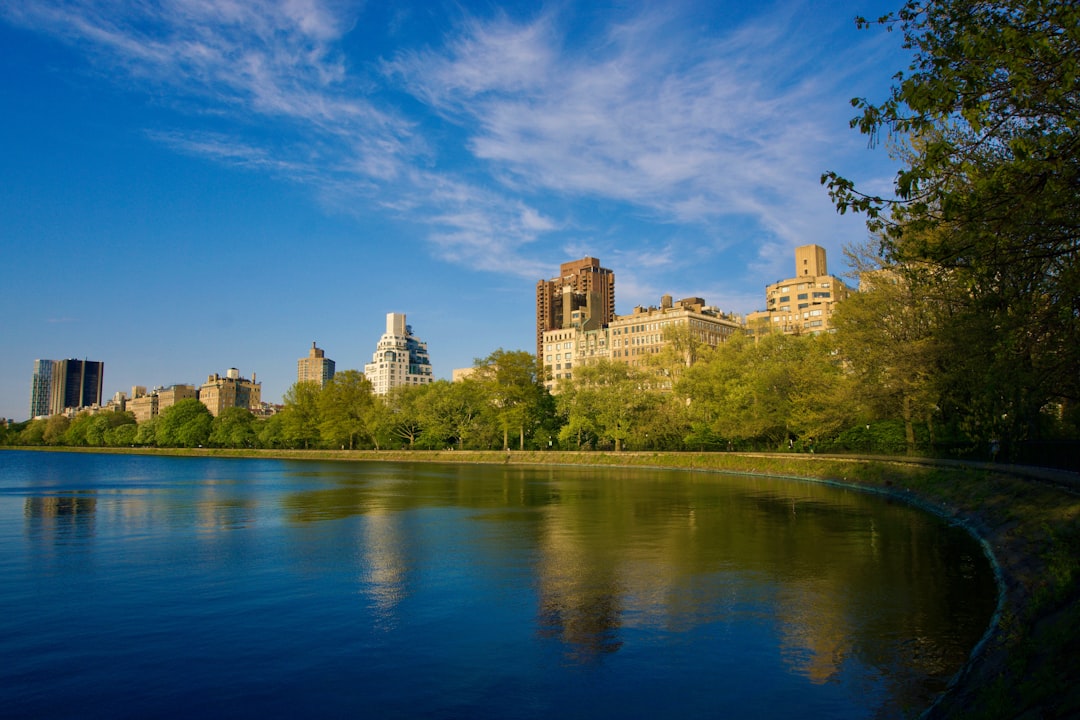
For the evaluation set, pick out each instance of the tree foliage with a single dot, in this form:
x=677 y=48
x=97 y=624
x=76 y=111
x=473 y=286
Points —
x=779 y=388
x=986 y=119
x=513 y=386
x=184 y=424
x=300 y=418
x=234 y=427
x=606 y=399
x=344 y=405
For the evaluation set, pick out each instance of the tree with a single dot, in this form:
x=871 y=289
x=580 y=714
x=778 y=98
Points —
x=300 y=417
x=450 y=413
x=33 y=433
x=89 y=429
x=379 y=423
x=185 y=424
x=56 y=427
x=683 y=347
x=234 y=427
x=147 y=432
x=886 y=335
x=772 y=390
x=987 y=122
x=345 y=403
x=122 y=435
x=608 y=398
x=270 y=432
x=513 y=386
x=404 y=419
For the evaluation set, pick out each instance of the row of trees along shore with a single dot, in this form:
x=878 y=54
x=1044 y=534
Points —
x=810 y=393
x=965 y=337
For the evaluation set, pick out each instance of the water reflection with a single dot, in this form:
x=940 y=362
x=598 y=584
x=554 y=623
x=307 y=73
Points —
x=385 y=565
x=62 y=518
x=826 y=568
x=580 y=598
x=669 y=577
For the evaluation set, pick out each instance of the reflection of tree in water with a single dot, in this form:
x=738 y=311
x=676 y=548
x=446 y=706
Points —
x=588 y=622
x=61 y=516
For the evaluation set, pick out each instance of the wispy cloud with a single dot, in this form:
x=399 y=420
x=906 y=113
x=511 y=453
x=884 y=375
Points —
x=687 y=128
x=678 y=124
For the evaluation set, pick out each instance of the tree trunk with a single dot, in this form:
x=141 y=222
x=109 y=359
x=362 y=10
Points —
x=909 y=427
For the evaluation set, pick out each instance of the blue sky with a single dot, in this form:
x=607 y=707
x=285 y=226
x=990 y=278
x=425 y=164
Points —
x=192 y=185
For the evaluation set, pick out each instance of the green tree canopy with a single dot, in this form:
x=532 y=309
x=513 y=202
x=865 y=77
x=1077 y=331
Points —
x=886 y=335
x=403 y=412
x=300 y=418
x=450 y=413
x=234 y=427
x=345 y=405
x=607 y=398
x=986 y=120
x=56 y=427
x=515 y=391
x=184 y=424
x=780 y=387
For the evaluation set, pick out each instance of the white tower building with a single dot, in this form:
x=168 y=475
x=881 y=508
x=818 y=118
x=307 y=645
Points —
x=400 y=359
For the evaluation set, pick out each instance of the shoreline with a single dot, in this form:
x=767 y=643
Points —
x=1026 y=519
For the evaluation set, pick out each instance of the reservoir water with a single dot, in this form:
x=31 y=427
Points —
x=135 y=586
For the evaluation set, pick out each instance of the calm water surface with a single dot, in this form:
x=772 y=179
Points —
x=187 y=587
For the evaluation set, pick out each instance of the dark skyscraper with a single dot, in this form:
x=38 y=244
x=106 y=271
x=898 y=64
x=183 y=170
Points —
x=61 y=384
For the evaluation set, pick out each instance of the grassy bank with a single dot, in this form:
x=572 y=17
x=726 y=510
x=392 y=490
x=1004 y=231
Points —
x=1029 y=663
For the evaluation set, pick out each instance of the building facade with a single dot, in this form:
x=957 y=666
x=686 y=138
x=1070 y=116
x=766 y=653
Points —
x=582 y=296
x=145 y=405
x=40 y=388
x=399 y=359
x=316 y=367
x=802 y=304
x=632 y=339
x=218 y=393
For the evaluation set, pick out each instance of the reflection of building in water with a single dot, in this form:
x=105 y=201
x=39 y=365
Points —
x=62 y=515
x=384 y=562
x=815 y=630
x=580 y=598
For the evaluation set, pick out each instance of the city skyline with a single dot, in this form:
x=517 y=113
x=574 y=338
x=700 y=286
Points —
x=183 y=186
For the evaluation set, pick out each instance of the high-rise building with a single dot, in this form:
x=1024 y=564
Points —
x=218 y=393
x=40 y=387
x=583 y=297
x=316 y=367
x=399 y=359
x=803 y=303
x=61 y=384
